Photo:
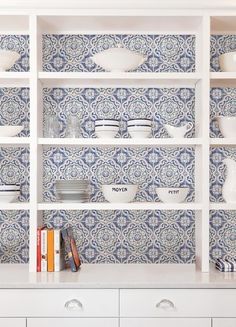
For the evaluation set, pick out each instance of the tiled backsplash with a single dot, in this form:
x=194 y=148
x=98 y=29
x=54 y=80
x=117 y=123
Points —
x=220 y=44
x=14 y=236
x=20 y=44
x=130 y=236
x=166 y=53
x=174 y=106
x=147 y=167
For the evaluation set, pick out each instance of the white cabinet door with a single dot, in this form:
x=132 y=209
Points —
x=164 y=322
x=224 y=322
x=73 y=322
x=12 y=322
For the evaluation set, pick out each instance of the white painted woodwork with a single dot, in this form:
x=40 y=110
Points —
x=187 y=303
x=52 y=303
x=224 y=322
x=163 y=322
x=74 y=322
x=12 y=322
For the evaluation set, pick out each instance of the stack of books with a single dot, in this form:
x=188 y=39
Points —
x=226 y=265
x=53 y=245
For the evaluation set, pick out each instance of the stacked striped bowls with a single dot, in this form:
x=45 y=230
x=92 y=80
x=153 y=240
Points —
x=106 y=128
x=139 y=128
x=73 y=191
x=9 y=193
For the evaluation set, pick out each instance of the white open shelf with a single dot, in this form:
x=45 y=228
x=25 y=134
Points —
x=14 y=141
x=223 y=141
x=120 y=141
x=222 y=206
x=14 y=79
x=15 y=206
x=119 y=206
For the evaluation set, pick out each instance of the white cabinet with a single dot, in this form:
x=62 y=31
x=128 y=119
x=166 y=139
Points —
x=12 y=322
x=59 y=303
x=163 y=322
x=224 y=322
x=73 y=322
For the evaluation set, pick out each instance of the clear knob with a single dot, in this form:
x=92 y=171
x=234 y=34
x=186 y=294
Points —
x=165 y=304
x=73 y=305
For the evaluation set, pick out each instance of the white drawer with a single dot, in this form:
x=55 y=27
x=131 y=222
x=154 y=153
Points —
x=224 y=322
x=12 y=322
x=163 y=322
x=73 y=322
x=186 y=303
x=59 y=303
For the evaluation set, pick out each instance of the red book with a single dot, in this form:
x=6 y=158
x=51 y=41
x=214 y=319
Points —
x=39 y=248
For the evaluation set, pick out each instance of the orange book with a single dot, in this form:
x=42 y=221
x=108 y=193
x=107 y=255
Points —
x=50 y=250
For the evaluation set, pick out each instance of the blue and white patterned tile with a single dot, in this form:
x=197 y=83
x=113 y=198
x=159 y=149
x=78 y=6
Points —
x=147 y=167
x=15 y=108
x=222 y=234
x=14 y=169
x=222 y=103
x=20 y=44
x=165 y=53
x=220 y=44
x=174 y=106
x=14 y=236
x=129 y=236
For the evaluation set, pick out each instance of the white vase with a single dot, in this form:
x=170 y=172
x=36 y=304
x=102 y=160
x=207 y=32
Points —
x=229 y=187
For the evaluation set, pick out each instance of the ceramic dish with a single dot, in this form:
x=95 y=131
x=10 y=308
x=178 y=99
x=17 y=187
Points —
x=118 y=59
x=106 y=122
x=172 y=194
x=119 y=193
x=9 y=196
x=8 y=59
x=178 y=131
x=228 y=62
x=227 y=126
x=10 y=131
x=139 y=122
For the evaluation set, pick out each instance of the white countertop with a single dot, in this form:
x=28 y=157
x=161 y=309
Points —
x=117 y=276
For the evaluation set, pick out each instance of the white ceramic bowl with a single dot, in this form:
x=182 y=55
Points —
x=106 y=131
x=8 y=197
x=139 y=122
x=9 y=131
x=119 y=193
x=228 y=62
x=139 y=131
x=172 y=194
x=227 y=126
x=8 y=59
x=139 y=134
x=118 y=59
x=106 y=122
x=9 y=187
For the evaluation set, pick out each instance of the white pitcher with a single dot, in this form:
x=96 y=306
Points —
x=229 y=187
x=179 y=131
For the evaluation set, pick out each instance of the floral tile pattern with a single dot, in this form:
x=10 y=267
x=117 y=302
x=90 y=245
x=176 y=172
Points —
x=14 y=169
x=14 y=108
x=222 y=103
x=174 y=106
x=14 y=236
x=147 y=167
x=129 y=236
x=222 y=234
x=220 y=44
x=20 y=44
x=166 y=53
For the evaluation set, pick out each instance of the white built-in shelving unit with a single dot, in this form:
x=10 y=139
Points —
x=198 y=22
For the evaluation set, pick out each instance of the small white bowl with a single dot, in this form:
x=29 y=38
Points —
x=140 y=134
x=10 y=131
x=228 y=62
x=118 y=59
x=106 y=122
x=172 y=194
x=227 y=126
x=106 y=132
x=8 y=197
x=119 y=193
x=8 y=59
x=139 y=122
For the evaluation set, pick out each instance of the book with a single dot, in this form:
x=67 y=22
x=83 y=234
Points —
x=74 y=248
x=58 y=251
x=68 y=250
x=44 y=250
x=39 y=248
x=50 y=250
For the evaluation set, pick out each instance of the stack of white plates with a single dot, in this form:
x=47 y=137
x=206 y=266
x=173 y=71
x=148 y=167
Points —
x=9 y=193
x=106 y=128
x=72 y=190
x=139 y=127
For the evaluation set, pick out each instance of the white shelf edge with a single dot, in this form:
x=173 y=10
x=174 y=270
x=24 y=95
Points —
x=14 y=75
x=15 y=206
x=119 y=206
x=223 y=75
x=223 y=141
x=14 y=141
x=222 y=206
x=120 y=141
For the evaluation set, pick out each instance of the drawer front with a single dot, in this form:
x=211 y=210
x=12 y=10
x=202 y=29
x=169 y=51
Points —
x=177 y=303
x=59 y=303
x=12 y=322
x=164 y=322
x=224 y=322
x=73 y=322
